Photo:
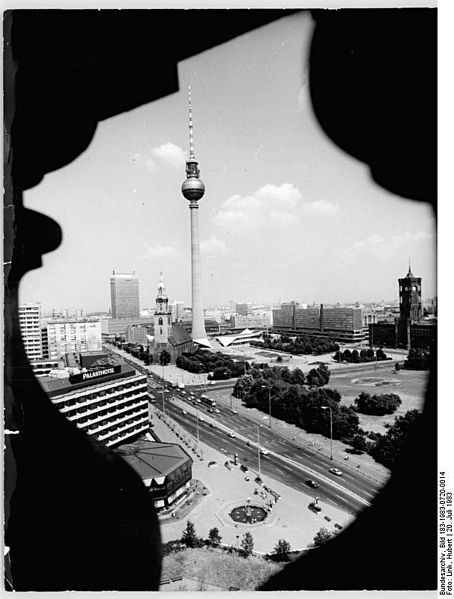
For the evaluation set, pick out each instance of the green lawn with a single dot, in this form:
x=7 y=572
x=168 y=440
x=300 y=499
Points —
x=218 y=568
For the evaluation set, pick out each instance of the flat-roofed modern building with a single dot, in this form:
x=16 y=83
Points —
x=165 y=468
x=124 y=294
x=74 y=335
x=110 y=403
x=339 y=324
x=30 y=326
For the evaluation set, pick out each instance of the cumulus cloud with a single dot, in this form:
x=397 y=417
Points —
x=213 y=245
x=276 y=204
x=170 y=154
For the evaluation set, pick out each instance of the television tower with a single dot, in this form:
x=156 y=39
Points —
x=193 y=189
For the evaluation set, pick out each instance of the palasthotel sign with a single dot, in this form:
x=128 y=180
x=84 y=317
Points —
x=94 y=374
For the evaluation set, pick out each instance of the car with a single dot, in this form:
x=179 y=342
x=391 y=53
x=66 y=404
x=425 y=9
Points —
x=212 y=425
x=336 y=471
x=202 y=419
x=184 y=412
x=312 y=483
x=210 y=411
x=232 y=435
x=234 y=411
x=217 y=411
x=244 y=468
x=264 y=451
x=212 y=463
x=198 y=400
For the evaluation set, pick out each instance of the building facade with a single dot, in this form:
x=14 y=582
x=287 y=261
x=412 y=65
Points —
x=30 y=327
x=344 y=325
x=110 y=403
x=251 y=321
x=136 y=334
x=124 y=294
x=73 y=336
x=243 y=309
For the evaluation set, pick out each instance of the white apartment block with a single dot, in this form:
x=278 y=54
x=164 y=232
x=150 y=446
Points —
x=73 y=336
x=30 y=326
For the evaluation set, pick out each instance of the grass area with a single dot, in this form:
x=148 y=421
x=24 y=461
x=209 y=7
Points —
x=409 y=385
x=219 y=568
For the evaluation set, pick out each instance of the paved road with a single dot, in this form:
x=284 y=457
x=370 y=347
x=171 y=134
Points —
x=287 y=462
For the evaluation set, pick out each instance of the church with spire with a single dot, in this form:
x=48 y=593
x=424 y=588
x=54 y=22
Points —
x=167 y=335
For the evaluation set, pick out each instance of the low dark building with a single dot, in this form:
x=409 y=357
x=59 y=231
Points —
x=165 y=468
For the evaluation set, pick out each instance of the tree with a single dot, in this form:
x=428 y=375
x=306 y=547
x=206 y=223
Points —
x=297 y=377
x=359 y=443
x=164 y=357
x=214 y=537
x=377 y=405
x=317 y=377
x=387 y=447
x=189 y=536
x=247 y=544
x=282 y=550
x=322 y=537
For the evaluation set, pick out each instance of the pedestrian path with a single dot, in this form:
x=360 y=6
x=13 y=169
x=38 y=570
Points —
x=291 y=519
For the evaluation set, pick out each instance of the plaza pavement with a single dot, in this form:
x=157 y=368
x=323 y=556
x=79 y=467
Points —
x=290 y=517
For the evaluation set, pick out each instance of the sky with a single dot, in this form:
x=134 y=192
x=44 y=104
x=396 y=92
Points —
x=287 y=215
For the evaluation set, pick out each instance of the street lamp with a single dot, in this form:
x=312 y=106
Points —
x=269 y=400
x=330 y=426
x=258 y=449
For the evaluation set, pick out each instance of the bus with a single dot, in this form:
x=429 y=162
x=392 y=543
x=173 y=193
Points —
x=208 y=401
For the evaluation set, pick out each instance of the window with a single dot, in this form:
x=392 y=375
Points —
x=160 y=323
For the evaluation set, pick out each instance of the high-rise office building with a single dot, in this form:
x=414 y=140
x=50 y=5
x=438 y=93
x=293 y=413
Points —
x=30 y=326
x=193 y=190
x=124 y=293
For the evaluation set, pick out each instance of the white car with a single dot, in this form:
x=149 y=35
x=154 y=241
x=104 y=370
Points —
x=264 y=451
x=232 y=435
x=336 y=471
x=184 y=412
x=217 y=410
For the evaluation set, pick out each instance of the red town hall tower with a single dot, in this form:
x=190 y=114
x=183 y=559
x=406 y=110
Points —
x=410 y=298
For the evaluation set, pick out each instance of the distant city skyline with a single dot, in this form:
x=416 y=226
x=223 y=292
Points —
x=286 y=214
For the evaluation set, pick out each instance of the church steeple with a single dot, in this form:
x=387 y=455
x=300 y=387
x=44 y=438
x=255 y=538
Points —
x=162 y=301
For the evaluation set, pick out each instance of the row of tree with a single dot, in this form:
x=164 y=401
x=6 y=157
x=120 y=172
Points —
x=418 y=359
x=286 y=394
x=357 y=357
x=282 y=551
x=301 y=345
x=217 y=364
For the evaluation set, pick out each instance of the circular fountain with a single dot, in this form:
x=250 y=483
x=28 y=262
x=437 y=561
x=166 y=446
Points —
x=248 y=514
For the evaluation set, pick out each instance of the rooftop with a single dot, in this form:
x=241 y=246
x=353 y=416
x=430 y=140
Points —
x=153 y=459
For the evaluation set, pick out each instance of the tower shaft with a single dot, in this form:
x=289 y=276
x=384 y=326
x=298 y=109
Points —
x=198 y=320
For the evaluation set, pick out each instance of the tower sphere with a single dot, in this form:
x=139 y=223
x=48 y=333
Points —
x=193 y=188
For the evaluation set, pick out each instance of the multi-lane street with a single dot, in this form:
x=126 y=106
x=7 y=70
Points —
x=284 y=461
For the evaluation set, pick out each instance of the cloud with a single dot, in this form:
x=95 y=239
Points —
x=213 y=245
x=270 y=204
x=382 y=247
x=170 y=154
x=158 y=252
x=320 y=208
